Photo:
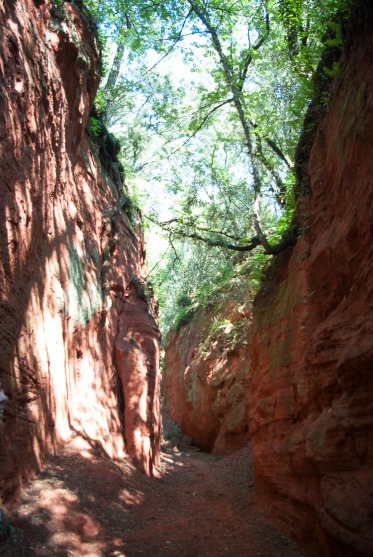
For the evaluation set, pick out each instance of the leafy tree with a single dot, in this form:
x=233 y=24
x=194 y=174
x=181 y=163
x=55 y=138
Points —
x=223 y=141
x=261 y=56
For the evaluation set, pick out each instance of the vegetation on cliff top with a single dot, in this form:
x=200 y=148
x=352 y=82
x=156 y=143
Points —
x=208 y=98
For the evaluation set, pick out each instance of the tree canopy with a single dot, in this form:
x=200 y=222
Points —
x=208 y=97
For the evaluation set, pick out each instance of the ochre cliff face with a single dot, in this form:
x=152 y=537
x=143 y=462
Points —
x=311 y=388
x=205 y=373
x=71 y=260
x=137 y=357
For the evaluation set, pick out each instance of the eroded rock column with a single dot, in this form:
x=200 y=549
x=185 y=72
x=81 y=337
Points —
x=137 y=360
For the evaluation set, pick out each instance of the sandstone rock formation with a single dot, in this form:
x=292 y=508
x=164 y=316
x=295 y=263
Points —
x=71 y=260
x=205 y=374
x=311 y=392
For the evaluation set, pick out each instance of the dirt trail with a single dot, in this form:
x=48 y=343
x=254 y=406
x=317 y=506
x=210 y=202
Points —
x=82 y=504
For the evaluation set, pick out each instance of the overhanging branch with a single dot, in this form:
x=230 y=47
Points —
x=202 y=123
x=254 y=242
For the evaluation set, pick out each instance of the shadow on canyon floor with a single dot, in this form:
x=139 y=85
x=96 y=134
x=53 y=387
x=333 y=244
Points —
x=84 y=505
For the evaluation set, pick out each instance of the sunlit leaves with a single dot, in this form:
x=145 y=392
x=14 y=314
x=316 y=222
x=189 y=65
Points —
x=184 y=135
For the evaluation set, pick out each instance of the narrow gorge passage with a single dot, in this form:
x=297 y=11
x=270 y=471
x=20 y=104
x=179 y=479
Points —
x=265 y=344
x=83 y=505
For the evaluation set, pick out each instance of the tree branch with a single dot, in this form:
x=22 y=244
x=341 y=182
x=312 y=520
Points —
x=200 y=126
x=197 y=227
x=156 y=265
x=243 y=73
x=244 y=123
x=254 y=242
x=280 y=195
x=177 y=258
x=237 y=100
x=176 y=40
x=275 y=148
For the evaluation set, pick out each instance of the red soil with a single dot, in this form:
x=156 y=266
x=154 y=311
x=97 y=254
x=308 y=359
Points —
x=83 y=504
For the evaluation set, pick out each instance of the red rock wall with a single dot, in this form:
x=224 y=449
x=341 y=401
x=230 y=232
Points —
x=311 y=392
x=204 y=379
x=71 y=260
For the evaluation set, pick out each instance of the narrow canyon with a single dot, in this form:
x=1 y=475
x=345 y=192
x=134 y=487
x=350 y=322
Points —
x=272 y=394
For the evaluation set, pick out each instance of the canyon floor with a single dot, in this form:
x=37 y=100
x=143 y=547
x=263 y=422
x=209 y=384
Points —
x=84 y=505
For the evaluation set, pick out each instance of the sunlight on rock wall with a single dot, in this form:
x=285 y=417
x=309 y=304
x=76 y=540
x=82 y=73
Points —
x=68 y=252
x=311 y=395
x=206 y=370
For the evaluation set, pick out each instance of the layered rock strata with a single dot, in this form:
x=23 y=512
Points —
x=73 y=304
x=205 y=373
x=311 y=388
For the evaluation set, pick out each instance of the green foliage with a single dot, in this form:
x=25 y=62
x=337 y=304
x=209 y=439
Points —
x=255 y=270
x=57 y=9
x=172 y=435
x=227 y=333
x=333 y=71
x=171 y=431
x=182 y=316
x=219 y=140
x=94 y=126
x=218 y=324
x=129 y=207
x=100 y=102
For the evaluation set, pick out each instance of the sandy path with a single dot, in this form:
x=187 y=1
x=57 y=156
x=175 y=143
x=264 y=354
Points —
x=85 y=505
